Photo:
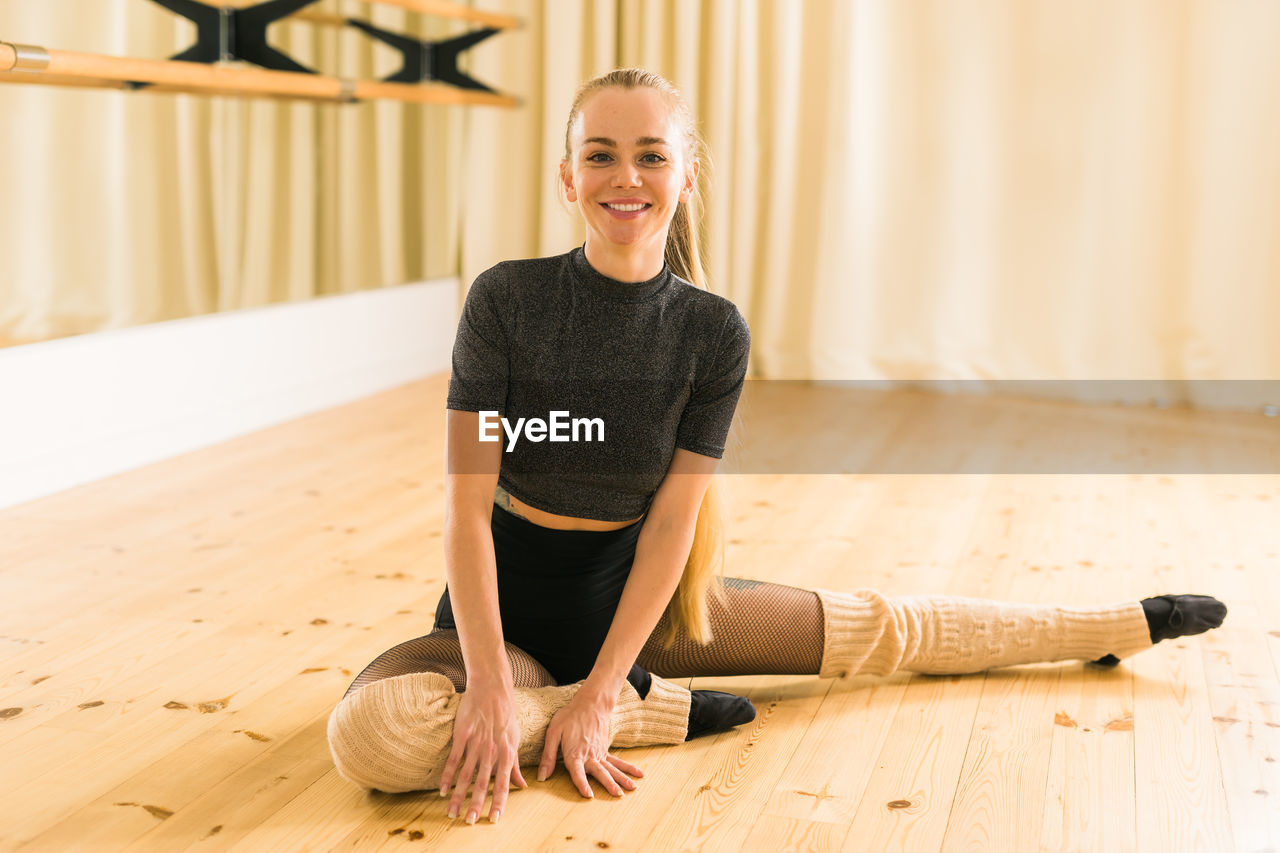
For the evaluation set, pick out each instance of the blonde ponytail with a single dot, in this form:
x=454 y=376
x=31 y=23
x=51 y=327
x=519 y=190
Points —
x=703 y=573
x=704 y=568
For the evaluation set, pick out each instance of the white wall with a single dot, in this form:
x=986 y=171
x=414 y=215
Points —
x=77 y=409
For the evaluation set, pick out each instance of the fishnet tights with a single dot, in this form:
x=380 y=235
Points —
x=758 y=629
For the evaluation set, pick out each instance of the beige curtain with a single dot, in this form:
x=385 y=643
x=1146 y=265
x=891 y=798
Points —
x=903 y=189
x=126 y=208
x=911 y=189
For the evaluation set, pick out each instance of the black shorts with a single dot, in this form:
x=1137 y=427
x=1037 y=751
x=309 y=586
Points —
x=557 y=590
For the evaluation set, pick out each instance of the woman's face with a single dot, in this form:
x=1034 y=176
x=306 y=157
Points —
x=628 y=151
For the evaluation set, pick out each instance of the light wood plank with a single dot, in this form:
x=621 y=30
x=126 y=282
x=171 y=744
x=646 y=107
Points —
x=729 y=787
x=1180 y=802
x=1180 y=799
x=1002 y=784
x=793 y=835
x=340 y=521
x=1240 y=676
x=1089 y=802
x=907 y=806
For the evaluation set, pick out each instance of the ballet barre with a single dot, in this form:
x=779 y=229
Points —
x=69 y=68
x=435 y=8
x=235 y=31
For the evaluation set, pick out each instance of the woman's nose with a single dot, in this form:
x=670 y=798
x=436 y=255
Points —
x=626 y=175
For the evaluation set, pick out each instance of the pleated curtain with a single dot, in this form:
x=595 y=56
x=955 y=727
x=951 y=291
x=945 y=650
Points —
x=900 y=189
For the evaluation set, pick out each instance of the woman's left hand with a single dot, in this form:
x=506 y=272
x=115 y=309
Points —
x=580 y=730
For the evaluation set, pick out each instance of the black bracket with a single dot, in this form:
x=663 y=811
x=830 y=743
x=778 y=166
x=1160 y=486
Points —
x=224 y=35
x=429 y=60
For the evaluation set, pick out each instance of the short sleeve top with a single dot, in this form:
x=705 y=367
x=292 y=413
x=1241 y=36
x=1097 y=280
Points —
x=590 y=383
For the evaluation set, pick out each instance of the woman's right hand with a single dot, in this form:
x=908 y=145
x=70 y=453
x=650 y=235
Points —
x=486 y=744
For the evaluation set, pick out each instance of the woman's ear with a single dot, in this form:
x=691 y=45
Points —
x=566 y=178
x=690 y=180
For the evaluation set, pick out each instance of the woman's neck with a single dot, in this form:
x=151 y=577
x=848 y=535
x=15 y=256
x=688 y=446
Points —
x=625 y=263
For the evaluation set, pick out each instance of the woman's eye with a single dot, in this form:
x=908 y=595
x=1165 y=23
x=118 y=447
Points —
x=650 y=158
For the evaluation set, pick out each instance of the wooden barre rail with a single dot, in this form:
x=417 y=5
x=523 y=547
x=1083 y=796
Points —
x=325 y=19
x=437 y=8
x=97 y=70
x=443 y=9
x=119 y=85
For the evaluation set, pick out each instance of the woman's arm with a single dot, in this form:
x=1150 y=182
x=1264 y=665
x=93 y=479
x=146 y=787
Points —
x=661 y=552
x=486 y=730
x=471 y=479
x=580 y=730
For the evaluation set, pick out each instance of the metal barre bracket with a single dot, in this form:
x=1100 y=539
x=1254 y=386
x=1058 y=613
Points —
x=224 y=35
x=428 y=60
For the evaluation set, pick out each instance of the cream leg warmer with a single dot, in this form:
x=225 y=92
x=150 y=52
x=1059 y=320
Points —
x=395 y=734
x=868 y=633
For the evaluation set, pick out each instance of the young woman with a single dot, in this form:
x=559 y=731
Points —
x=581 y=569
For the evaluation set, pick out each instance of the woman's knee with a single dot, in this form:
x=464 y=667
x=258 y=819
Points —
x=394 y=734
x=865 y=633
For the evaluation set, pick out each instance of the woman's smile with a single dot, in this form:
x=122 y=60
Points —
x=626 y=209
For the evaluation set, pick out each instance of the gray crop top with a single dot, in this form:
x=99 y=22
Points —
x=653 y=365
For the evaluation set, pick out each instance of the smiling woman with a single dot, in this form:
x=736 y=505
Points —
x=553 y=639
x=627 y=181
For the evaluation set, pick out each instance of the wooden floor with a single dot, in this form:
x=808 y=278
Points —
x=174 y=638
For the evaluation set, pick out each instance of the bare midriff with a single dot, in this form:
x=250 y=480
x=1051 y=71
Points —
x=517 y=507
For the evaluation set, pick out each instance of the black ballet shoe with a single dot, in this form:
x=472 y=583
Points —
x=1173 y=616
x=640 y=680
x=711 y=711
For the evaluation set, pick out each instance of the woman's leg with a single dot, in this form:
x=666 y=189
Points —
x=393 y=729
x=441 y=652
x=764 y=628
x=757 y=629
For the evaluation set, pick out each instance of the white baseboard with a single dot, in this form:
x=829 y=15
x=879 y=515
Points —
x=78 y=409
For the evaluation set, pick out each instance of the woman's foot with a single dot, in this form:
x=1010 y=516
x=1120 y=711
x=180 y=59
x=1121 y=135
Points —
x=1173 y=616
x=711 y=711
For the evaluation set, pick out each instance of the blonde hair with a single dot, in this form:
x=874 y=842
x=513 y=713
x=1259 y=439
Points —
x=704 y=567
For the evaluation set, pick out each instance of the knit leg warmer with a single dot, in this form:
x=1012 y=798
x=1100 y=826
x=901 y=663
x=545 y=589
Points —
x=395 y=734
x=868 y=633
